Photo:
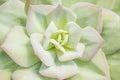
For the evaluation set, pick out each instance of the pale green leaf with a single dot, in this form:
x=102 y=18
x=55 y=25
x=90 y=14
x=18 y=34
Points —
x=11 y=14
x=60 y=16
x=69 y=3
x=114 y=64
x=6 y=66
x=59 y=70
x=45 y=56
x=74 y=34
x=54 y=2
x=57 y=45
x=36 y=18
x=6 y=62
x=88 y=15
x=92 y=40
x=71 y=54
x=116 y=7
x=25 y=74
x=17 y=46
x=96 y=69
x=111 y=31
x=106 y=3
x=47 y=34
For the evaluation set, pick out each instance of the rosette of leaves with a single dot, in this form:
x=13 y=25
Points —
x=56 y=43
x=111 y=22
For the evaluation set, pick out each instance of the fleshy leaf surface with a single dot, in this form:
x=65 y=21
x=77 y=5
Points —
x=25 y=74
x=74 y=35
x=47 y=34
x=36 y=18
x=6 y=66
x=45 y=56
x=65 y=15
x=106 y=4
x=111 y=31
x=69 y=3
x=11 y=14
x=17 y=46
x=59 y=70
x=114 y=63
x=88 y=15
x=95 y=69
x=92 y=40
x=71 y=54
x=46 y=2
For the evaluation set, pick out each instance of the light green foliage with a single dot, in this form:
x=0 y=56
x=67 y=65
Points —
x=59 y=39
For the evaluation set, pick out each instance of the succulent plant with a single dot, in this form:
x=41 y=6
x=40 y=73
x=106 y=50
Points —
x=64 y=40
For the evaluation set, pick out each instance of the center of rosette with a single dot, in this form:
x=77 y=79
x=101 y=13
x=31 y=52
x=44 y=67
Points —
x=59 y=39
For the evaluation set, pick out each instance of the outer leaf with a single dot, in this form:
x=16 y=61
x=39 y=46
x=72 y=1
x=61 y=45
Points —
x=38 y=2
x=88 y=15
x=111 y=34
x=106 y=4
x=36 y=20
x=69 y=3
x=17 y=46
x=116 y=6
x=6 y=62
x=111 y=31
x=59 y=70
x=65 y=15
x=33 y=2
x=54 y=2
x=28 y=74
x=99 y=60
x=114 y=63
x=93 y=42
x=6 y=66
x=11 y=14
x=96 y=69
x=25 y=74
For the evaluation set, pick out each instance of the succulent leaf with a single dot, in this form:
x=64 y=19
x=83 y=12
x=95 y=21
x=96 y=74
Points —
x=45 y=56
x=97 y=68
x=6 y=66
x=25 y=74
x=72 y=54
x=18 y=40
x=59 y=70
x=65 y=15
x=74 y=31
x=111 y=28
x=92 y=40
x=36 y=19
x=11 y=14
x=88 y=15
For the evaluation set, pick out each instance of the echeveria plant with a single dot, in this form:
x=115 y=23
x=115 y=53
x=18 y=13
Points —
x=58 y=40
